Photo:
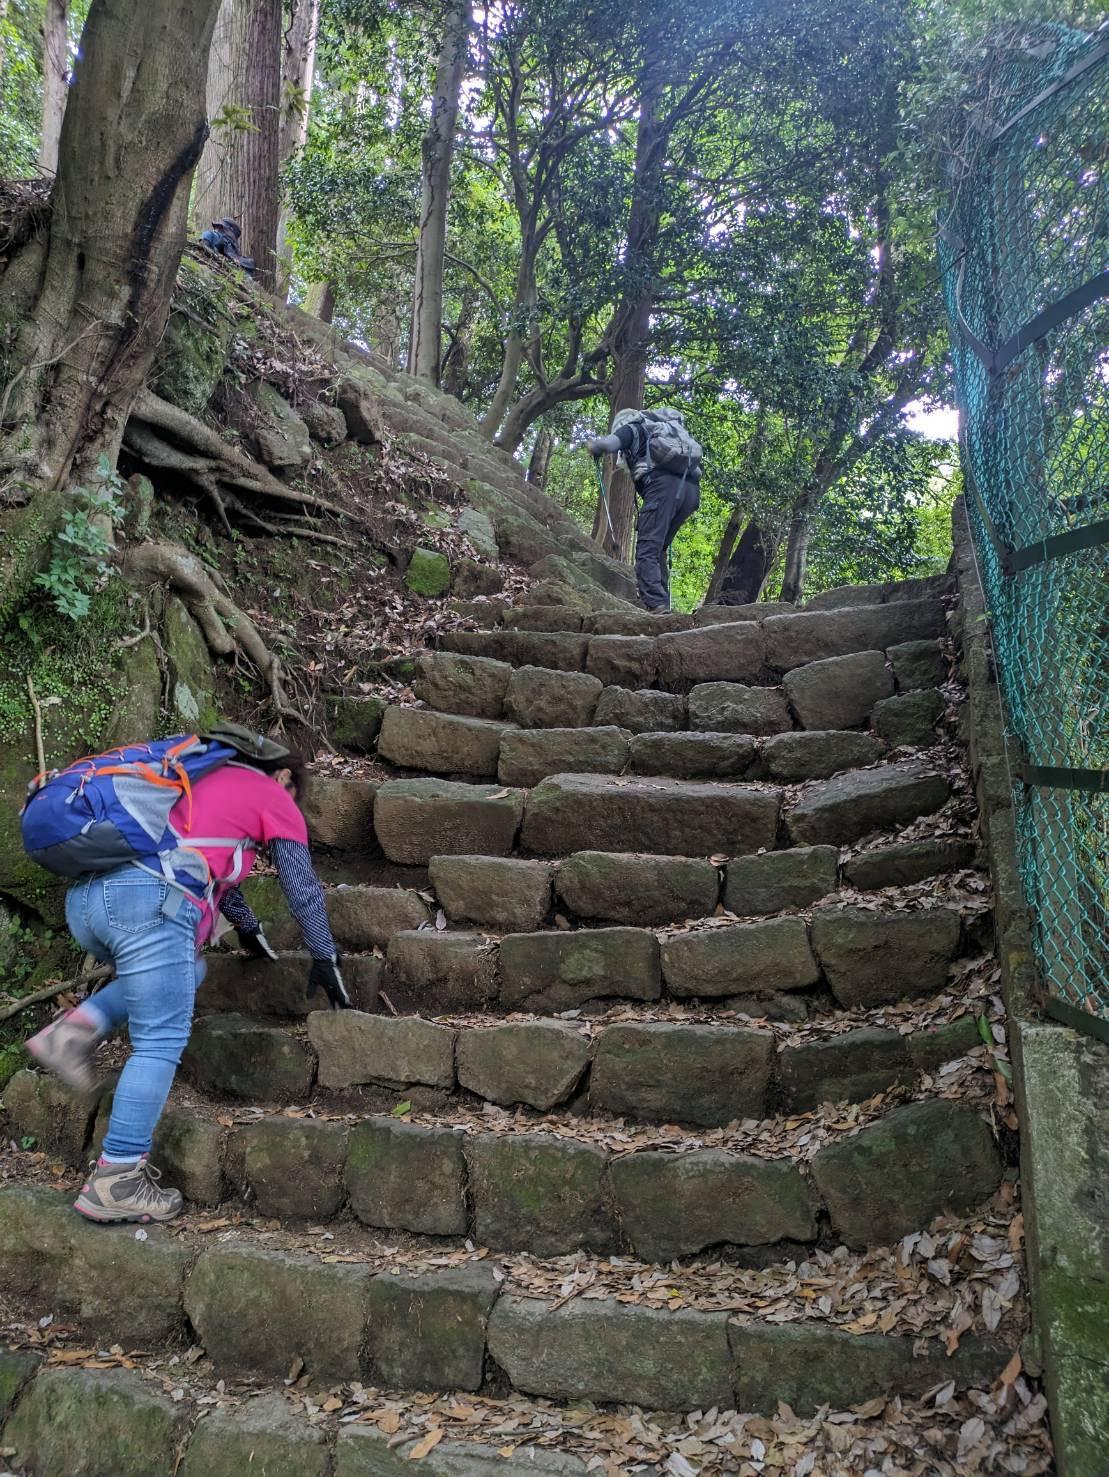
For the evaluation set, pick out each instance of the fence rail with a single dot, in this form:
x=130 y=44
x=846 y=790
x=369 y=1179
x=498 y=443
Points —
x=1024 y=251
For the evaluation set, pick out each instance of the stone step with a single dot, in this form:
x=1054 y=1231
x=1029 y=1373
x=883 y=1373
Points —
x=840 y=692
x=552 y=1188
x=533 y=617
x=744 y=651
x=429 y=741
x=862 y=956
x=417 y=819
x=646 y=1067
x=513 y=895
x=388 y=1319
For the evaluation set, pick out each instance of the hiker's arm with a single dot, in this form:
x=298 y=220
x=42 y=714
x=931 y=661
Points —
x=240 y=915
x=304 y=896
x=600 y=445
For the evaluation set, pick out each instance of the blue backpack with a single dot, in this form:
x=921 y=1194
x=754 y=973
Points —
x=104 y=811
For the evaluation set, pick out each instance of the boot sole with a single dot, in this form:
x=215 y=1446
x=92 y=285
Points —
x=104 y=1217
x=83 y=1082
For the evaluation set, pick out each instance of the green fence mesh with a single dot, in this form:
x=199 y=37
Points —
x=1024 y=251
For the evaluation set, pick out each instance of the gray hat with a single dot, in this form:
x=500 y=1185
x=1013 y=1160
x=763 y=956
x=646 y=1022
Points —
x=251 y=745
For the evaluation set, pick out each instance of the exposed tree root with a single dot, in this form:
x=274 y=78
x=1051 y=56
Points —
x=171 y=440
x=227 y=630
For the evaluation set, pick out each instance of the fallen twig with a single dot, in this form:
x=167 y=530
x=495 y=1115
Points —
x=36 y=709
x=94 y=976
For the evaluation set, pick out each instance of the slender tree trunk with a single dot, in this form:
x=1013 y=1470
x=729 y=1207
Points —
x=100 y=291
x=456 y=361
x=514 y=352
x=238 y=173
x=3 y=43
x=426 y=348
x=631 y=332
x=540 y=463
x=797 y=557
x=298 y=75
x=55 y=81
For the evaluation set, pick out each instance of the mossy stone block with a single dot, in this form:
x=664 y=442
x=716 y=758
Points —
x=428 y=573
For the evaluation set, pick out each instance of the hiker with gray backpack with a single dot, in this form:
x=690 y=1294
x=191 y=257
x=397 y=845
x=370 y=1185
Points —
x=155 y=838
x=665 y=464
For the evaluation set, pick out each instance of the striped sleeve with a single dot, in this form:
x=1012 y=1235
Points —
x=304 y=895
x=237 y=911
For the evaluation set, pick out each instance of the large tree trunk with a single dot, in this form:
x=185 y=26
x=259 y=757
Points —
x=748 y=567
x=298 y=75
x=133 y=131
x=92 y=300
x=238 y=172
x=631 y=332
x=724 y=553
x=426 y=348
x=319 y=301
x=55 y=81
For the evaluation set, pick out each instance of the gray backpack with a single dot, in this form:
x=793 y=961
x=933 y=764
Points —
x=669 y=443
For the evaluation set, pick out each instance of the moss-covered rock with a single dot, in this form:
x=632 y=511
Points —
x=355 y=721
x=428 y=573
x=132 y=1429
x=192 y=680
x=192 y=354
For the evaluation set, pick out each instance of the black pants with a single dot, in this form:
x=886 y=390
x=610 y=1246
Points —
x=667 y=502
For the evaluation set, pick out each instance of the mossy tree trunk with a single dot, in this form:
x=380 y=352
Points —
x=133 y=130
x=87 y=304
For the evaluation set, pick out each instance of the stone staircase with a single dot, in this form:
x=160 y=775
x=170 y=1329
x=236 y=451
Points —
x=666 y=942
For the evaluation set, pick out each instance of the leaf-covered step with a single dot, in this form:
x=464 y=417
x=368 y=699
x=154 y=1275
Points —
x=397 y=1320
x=554 y=1193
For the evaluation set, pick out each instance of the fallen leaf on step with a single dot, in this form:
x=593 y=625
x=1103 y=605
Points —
x=204 y=1226
x=389 y=1422
x=426 y=1446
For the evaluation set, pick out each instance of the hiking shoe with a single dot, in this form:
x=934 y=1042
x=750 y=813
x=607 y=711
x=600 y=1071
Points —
x=127 y=1192
x=66 y=1049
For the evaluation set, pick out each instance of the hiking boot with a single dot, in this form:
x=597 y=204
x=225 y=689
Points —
x=66 y=1048
x=127 y=1192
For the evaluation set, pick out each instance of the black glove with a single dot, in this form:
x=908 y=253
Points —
x=256 y=943
x=324 y=975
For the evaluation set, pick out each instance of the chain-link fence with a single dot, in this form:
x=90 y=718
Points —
x=1024 y=251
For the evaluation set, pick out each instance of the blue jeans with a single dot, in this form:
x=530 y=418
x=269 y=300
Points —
x=147 y=929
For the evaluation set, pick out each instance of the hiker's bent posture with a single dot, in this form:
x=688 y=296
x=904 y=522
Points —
x=665 y=464
x=157 y=835
x=223 y=237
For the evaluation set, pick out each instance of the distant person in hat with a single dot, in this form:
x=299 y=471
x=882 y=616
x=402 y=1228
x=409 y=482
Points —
x=150 y=917
x=223 y=237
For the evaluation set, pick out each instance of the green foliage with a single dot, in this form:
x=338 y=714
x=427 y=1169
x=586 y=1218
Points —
x=232 y=119
x=21 y=81
x=78 y=559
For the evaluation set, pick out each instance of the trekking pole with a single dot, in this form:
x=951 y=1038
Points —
x=604 y=499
